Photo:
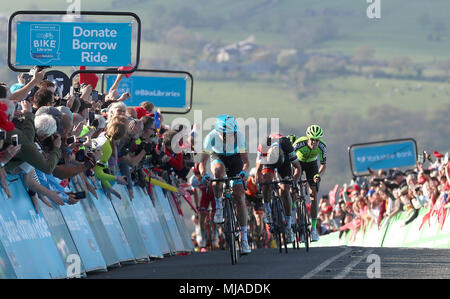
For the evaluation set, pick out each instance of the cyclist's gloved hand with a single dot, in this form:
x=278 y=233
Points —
x=317 y=178
x=206 y=178
x=243 y=174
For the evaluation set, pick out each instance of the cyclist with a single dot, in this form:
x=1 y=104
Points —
x=277 y=152
x=308 y=148
x=227 y=148
x=207 y=197
x=251 y=195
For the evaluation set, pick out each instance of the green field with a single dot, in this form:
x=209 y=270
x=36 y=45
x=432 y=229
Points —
x=355 y=95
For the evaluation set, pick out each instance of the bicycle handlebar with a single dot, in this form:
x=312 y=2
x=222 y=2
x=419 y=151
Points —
x=276 y=182
x=227 y=179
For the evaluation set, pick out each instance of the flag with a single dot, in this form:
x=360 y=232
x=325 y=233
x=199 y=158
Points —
x=126 y=68
x=87 y=78
x=332 y=194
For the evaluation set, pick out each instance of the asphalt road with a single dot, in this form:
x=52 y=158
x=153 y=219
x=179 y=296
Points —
x=318 y=263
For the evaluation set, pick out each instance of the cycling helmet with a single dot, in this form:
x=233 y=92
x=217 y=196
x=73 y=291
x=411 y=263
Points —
x=226 y=124
x=314 y=132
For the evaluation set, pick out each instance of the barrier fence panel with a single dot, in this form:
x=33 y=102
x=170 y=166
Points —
x=185 y=238
x=127 y=219
x=156 y=196
x=98 y=229
x=62 y=238
x=169 y=213
x=142 y=223
x=83 y=237
x=165 y=216
x=112 y=226
x=26 y=237
x=145 y=218
x=6 y=268
x=157 y=226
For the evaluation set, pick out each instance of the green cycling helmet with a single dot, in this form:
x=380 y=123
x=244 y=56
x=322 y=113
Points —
x=314 y=132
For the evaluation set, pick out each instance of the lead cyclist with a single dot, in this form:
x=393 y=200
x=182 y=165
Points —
x=308 y=148
x=226 y=147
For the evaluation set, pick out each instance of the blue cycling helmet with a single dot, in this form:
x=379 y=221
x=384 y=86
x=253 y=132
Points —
x=226 y=124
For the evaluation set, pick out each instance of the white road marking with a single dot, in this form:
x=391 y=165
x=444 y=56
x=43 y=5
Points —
x=350 y=266
x=326 y=263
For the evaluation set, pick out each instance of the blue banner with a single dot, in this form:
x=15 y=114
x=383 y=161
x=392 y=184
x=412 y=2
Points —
x=73 y=44
x=164 y=92
x=384 y=156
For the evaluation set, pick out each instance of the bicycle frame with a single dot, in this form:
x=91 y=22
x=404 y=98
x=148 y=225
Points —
x=278 y=227
x=303 y=222
x=231 y=225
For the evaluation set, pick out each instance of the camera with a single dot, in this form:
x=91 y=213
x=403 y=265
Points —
x=96 y=97
x=15 y=140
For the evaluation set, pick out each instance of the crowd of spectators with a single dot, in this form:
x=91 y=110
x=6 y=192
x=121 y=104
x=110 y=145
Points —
x=383 y=194
x=85 y=138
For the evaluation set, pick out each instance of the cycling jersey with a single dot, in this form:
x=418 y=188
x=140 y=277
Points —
x=227 y=153
x=214 y=144
x=286 y=147
x=306 y=154
x=283 y=163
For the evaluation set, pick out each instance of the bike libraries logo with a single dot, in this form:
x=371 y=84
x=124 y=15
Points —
x=374 y=9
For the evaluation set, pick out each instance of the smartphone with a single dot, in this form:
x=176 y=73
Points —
x=2 y=135
x=446 y=158
x=94 y=95
x=15 y=140
x=71 y=139
x=79 y=195
x=420 y=158
x=91 y=118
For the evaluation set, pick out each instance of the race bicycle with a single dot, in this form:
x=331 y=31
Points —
x=301 y=226
x=278 y=226
x=231 y=226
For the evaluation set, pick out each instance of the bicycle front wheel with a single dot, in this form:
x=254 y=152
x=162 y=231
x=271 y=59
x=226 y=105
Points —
x=230 y=227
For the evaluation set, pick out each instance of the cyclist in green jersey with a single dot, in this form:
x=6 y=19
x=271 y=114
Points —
x=308 y=148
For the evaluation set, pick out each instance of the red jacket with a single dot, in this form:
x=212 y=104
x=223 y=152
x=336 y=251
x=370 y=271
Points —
x=176 y=160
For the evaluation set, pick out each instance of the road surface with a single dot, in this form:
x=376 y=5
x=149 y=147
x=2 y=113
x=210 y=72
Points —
x=319 y=263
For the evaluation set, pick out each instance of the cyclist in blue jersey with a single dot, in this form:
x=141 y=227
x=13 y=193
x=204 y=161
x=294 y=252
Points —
x=227 y=149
